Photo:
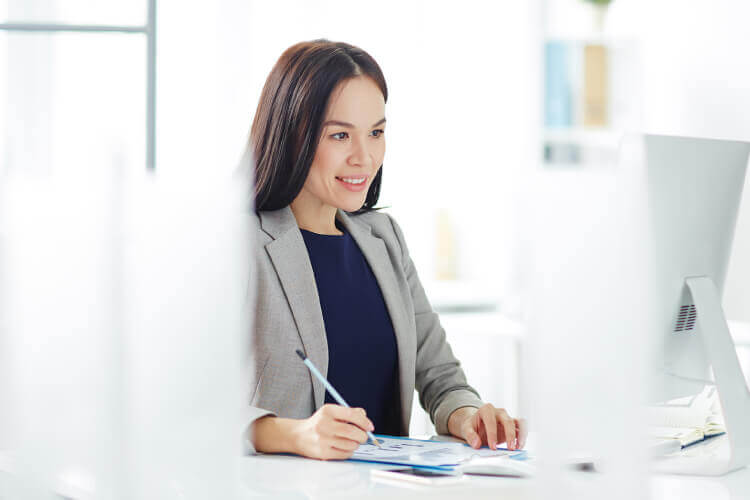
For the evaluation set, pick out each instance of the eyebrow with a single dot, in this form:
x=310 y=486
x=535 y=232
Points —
x=347 y=124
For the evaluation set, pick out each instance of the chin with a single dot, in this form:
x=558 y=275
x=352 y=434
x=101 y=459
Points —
x=351 y=206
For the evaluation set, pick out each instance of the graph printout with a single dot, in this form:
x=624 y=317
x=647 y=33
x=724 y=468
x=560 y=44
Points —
x=406 y=451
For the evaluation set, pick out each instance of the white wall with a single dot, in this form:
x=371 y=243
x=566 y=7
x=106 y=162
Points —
x=696 y=78
x=204 y=87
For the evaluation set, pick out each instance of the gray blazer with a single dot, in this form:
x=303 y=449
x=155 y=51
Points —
x=288 y=317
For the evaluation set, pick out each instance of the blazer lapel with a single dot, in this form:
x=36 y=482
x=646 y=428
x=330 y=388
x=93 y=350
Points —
x=292 y=263
x=376 y=254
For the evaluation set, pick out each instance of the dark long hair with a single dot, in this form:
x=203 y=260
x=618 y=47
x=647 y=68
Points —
x=287 y=125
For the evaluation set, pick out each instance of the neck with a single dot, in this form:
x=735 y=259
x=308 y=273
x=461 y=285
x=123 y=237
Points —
x=315 y=217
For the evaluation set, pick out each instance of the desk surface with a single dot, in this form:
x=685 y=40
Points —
x=288 y=477
x=298 y=478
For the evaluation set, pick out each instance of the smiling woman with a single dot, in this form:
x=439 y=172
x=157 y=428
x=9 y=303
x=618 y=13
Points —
x=334 y=275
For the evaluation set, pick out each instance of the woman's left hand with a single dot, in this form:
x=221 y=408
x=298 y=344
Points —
x=488 y=425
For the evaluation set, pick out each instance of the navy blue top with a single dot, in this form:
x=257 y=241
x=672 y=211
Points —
x=362 y=353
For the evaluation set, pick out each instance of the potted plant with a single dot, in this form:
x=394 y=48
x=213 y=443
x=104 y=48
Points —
x=599 y=12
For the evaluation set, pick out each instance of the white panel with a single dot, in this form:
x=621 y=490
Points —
x=72 y=99
x=132 y=12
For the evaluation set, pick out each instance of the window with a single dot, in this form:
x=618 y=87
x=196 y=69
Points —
x=78 y=84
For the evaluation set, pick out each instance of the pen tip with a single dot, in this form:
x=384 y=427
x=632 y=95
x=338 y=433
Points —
x=301 y=354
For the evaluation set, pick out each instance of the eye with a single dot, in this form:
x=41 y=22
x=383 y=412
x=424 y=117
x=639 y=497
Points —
x=377 y=132
x=340 y=136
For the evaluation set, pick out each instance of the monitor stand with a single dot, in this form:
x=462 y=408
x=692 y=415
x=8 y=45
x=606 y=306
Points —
x=732 y=451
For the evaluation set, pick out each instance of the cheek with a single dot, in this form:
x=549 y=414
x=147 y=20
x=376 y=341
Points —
x=326 y=162
x=380 y=153
x=317 y=172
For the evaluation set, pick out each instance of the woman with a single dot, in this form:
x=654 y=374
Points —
x=334 y=275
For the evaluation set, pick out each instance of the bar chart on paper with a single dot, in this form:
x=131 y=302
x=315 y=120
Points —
x=415 y=452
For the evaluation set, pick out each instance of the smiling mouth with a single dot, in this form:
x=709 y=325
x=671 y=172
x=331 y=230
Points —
x=352 y=180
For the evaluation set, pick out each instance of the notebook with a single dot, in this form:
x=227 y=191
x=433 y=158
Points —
x=687 y=420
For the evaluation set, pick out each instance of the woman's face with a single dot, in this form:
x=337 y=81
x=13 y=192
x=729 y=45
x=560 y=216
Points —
x=351 y=148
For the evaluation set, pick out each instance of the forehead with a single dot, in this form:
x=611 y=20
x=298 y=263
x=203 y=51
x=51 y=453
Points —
x=358 y=101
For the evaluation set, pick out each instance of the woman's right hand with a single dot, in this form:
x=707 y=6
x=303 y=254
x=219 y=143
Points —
x=333 y=432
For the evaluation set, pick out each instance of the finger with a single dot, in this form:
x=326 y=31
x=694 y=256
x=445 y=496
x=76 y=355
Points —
x=471 y=436
x=523 y=431
x=333 y=453
x=355 y=416
x=349 y=431
x=487 y=413
x=509 y=426
x=343 y=444
x=518 y=433
x=482 y=434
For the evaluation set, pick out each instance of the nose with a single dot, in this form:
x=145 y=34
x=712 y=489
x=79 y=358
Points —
x=360 y=155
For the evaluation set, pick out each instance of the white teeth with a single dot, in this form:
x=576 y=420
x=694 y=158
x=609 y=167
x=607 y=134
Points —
x=353 y=181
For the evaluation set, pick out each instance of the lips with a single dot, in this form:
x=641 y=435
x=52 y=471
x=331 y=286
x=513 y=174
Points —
x=353 y=183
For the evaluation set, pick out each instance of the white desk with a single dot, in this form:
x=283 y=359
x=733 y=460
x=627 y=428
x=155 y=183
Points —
x=299 y=478
x=288 y=477
x=285 y=477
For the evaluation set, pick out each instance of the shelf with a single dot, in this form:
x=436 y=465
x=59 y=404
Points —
x=583 y=136
x=462 y=296
x=578 y=147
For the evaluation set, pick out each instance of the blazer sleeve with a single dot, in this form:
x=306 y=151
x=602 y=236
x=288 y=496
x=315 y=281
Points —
x=439 y=379
x=252 y=414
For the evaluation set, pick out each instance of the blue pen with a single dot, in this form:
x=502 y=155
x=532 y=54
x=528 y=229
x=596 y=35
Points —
x=331 y=390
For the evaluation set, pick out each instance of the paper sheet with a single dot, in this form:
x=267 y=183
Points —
x=407 y=451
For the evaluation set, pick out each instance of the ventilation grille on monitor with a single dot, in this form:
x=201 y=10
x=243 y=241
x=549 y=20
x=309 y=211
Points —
x=686 y=318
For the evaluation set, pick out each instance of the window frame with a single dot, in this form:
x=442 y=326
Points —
x=149 y=30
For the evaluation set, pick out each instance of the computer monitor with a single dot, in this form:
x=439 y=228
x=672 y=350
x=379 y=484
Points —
x=693 y=188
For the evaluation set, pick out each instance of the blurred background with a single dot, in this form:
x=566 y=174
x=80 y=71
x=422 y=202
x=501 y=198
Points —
x=485 y=99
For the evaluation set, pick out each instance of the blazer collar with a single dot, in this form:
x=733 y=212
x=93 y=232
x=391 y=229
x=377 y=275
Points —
x=376 y=254
x=278 y=222
x=292 y=264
